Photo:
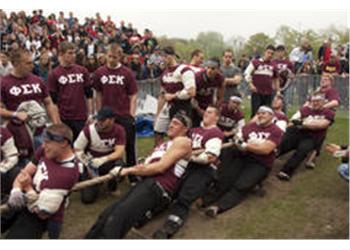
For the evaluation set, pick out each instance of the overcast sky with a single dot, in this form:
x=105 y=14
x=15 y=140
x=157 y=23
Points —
x=187 y=21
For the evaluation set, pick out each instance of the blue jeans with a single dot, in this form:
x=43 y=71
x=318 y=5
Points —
x=343 y=170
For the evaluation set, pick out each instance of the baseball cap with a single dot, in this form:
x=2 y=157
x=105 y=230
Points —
x=265 y=109
x=184 y=119
x=169 y=50
x=104 y=113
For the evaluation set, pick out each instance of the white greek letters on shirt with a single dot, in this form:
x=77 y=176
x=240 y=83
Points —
x=112 y=79
x=25 y=89
x=40 y=175
x=71 y=78
x=258 y=137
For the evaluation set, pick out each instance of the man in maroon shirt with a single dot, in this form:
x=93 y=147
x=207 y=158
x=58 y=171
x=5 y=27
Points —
x=209 y=89
x=332 y=66
x=40 y=190
x=162 y=170
x=231 y=119
x=22 y=86
x=308 y=129
x=100 y=147
x=246 y=165
x=70 y=88
x=177 y=88
x=332 y=101
x=199 y=173
x=116 y=87
x=262 y=77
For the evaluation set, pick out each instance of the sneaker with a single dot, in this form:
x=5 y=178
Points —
x=212 y=211
x=310 y=165
x=283 y=176
x=167 y=231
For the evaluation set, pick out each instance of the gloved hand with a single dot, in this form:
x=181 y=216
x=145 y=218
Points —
x=297 y=123
x=16 y=199
x=240 y=144
x=98 y=161
x=83 y=158
x=115 y=171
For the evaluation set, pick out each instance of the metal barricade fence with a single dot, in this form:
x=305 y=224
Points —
x=296 y=95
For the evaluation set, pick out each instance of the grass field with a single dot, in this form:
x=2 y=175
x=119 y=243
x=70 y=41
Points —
x=313 y=205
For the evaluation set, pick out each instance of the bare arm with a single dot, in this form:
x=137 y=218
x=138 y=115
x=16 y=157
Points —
x=180 y=149
x=98 y=100
x=332 y=104
x=133 y=100
x=117 y=153
x=276 y=84
x=52 y=110
x=261 y=149
x=316 y=124
x=24 y=178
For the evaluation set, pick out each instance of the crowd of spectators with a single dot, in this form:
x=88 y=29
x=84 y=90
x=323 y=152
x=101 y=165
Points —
x=42 y=34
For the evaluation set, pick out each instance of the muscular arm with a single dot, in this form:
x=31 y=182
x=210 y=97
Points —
x=180 y=149
x=117 y=153
x=52 y=110
x=261 y=149
x=316 y=124
x=24 y=178
x=332 y=104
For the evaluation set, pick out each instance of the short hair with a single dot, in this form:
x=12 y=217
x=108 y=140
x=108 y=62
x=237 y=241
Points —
x=115 y=47
x=15 y=55
x=330 y=76
x=196 y=52
x=217 y=109
x=62 y=130
x=227 y=51
x=270 y=47
x=280 y=48
x=63 y=47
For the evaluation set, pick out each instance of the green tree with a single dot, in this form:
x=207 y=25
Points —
x=212 y=43
x=258 y=41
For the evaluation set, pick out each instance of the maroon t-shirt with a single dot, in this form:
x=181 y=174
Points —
x=69 y=84
x=15 y=90
x=229 y=118
x=280 y=116
x=171 y=177
x=200 y=136
x=116 y=86
x=101 y=144
x=283 y=66
x=205 y=88
x=330 y=94
x=171 y=79
x=55 y=175
x=263 y=74
x=309 y=113
x=5 y=134
x=253 y=133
